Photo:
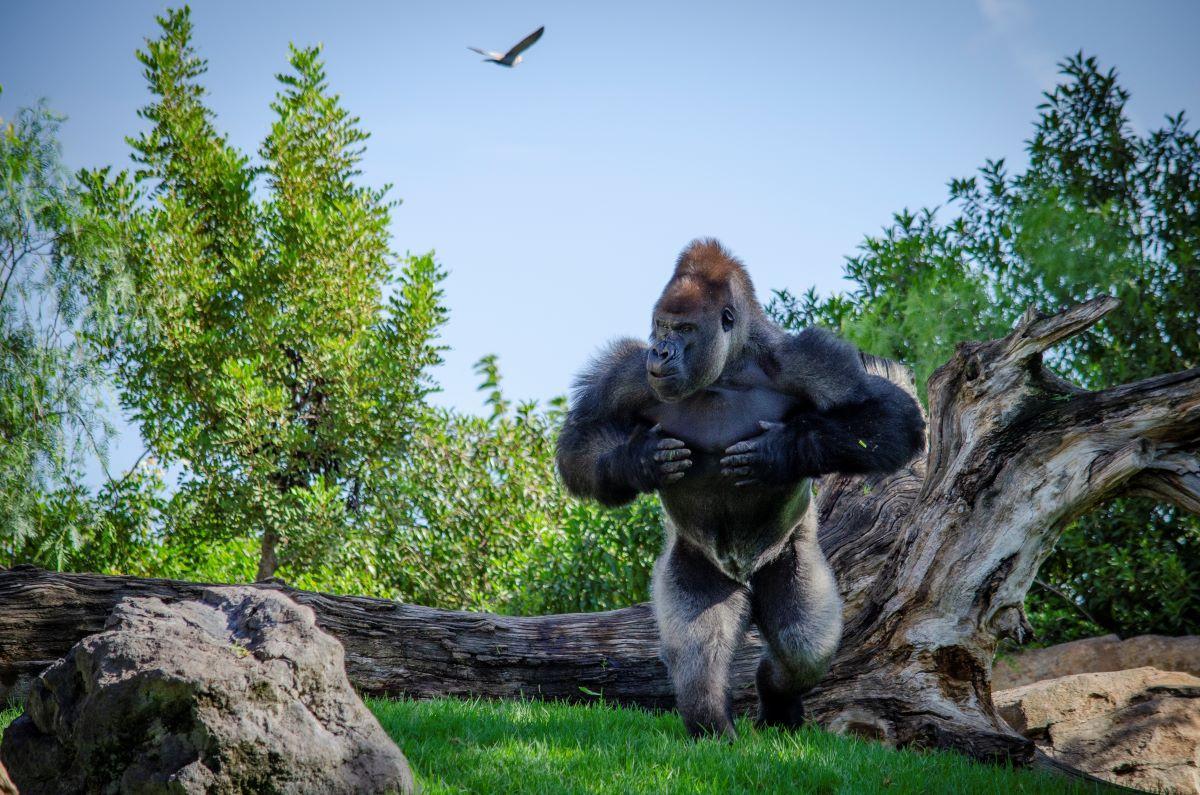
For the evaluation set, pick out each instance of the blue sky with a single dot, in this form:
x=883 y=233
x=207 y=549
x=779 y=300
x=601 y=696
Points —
x=558 y=193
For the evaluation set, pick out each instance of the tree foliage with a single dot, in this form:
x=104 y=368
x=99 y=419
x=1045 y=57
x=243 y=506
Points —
x=50 y=386
x=489 y=526
x=263 y=352
x=1098 y=209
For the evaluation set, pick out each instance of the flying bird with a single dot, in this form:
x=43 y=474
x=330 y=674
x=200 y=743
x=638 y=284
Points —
x=513 y=56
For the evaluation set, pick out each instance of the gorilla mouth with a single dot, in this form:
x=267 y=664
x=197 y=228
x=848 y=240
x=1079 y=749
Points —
x=668 y=387
x=663 y=375
x=666 y=382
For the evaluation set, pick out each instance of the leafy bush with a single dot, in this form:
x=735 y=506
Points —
x=484 y=522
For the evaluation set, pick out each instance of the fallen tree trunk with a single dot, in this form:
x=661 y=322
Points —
x=933 y=561
x=391 y=648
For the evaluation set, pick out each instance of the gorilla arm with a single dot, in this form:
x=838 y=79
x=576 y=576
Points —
x=607 y=451
x=861 y=423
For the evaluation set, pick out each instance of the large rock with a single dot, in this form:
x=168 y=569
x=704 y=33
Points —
x=239 y=692
x=1139 y=728
x=1094 y=655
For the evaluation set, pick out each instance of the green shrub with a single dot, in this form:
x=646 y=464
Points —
x=479 y=520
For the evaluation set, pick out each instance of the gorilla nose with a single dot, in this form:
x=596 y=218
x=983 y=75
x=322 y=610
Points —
x=661 y=358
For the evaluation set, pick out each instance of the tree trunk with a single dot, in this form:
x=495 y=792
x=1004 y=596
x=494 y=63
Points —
x=933 y=561
x=267 y=561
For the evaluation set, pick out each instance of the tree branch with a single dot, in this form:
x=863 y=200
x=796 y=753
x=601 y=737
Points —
x=1074 y=605
x=1173 y=478
x=1035 y=333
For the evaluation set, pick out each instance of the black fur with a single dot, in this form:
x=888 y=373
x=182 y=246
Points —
x=728 y=417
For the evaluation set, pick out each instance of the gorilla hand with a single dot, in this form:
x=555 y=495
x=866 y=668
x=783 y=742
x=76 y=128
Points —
x=654 y=460
x=769 y=457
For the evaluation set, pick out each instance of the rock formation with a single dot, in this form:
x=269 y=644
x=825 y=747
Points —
x=1139 y=728
x=239 y=691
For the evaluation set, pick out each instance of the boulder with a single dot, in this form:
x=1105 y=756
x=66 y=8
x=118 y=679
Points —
x=1138 y=728
x=239 y=691
x=1095 y=655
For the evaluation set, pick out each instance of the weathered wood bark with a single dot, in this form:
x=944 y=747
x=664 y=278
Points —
x=934 y=563
x=391 y=648
x=1015 y=452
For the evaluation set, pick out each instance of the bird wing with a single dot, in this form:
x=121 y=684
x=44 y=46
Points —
x=495 y=56
x=525 y=43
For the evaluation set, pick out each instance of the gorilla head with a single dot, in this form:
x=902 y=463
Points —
x=700 y=321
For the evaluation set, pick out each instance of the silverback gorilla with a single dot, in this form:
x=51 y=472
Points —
x=729 y=418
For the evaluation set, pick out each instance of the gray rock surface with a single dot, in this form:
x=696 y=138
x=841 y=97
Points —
x=1095 y=655
x=239 y=692
x=1138 y=728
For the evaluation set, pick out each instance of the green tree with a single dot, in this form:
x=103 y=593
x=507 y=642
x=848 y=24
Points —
x=268 y=350
x=918 y=292
x=1099 y=209
x=50 y=387
x=1103 y=210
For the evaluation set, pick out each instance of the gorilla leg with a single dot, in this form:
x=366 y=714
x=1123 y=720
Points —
x=702 y=617
x=799 y=612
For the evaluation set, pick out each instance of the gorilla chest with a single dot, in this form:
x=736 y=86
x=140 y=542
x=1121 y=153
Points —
x=717 y=417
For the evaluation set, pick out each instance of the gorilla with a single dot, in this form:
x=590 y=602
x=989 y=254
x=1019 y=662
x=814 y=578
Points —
x=729 y=418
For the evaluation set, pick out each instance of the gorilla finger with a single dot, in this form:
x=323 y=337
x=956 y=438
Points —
x=673 y=455
x=736 y=471
x=769 y=426
x=747 y=482
x=738 y=460
x=670 y=444
x=671 y=467
x=673 y=477
x=748 y=446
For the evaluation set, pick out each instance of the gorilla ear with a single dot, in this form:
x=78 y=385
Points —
x=727 y=318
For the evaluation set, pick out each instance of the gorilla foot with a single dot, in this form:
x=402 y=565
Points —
x=785 y=711
x=712 y=728
x=709 y=722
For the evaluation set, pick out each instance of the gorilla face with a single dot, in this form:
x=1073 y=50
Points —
x=688 y=351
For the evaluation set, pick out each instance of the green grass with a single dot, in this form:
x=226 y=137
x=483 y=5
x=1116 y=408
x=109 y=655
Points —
x=473 y=746
x=535 y=747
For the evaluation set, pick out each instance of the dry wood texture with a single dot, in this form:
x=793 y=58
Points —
x=934 y=562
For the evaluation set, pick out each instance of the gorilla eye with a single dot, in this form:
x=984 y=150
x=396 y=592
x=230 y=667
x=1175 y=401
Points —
x=686 y=328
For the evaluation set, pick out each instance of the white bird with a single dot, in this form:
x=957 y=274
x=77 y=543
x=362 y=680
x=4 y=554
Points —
x=513 y=56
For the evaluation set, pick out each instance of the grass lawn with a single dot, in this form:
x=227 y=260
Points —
x=499 y=747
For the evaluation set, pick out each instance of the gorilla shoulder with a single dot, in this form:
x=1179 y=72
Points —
x=614 y=382
x=820 y=367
